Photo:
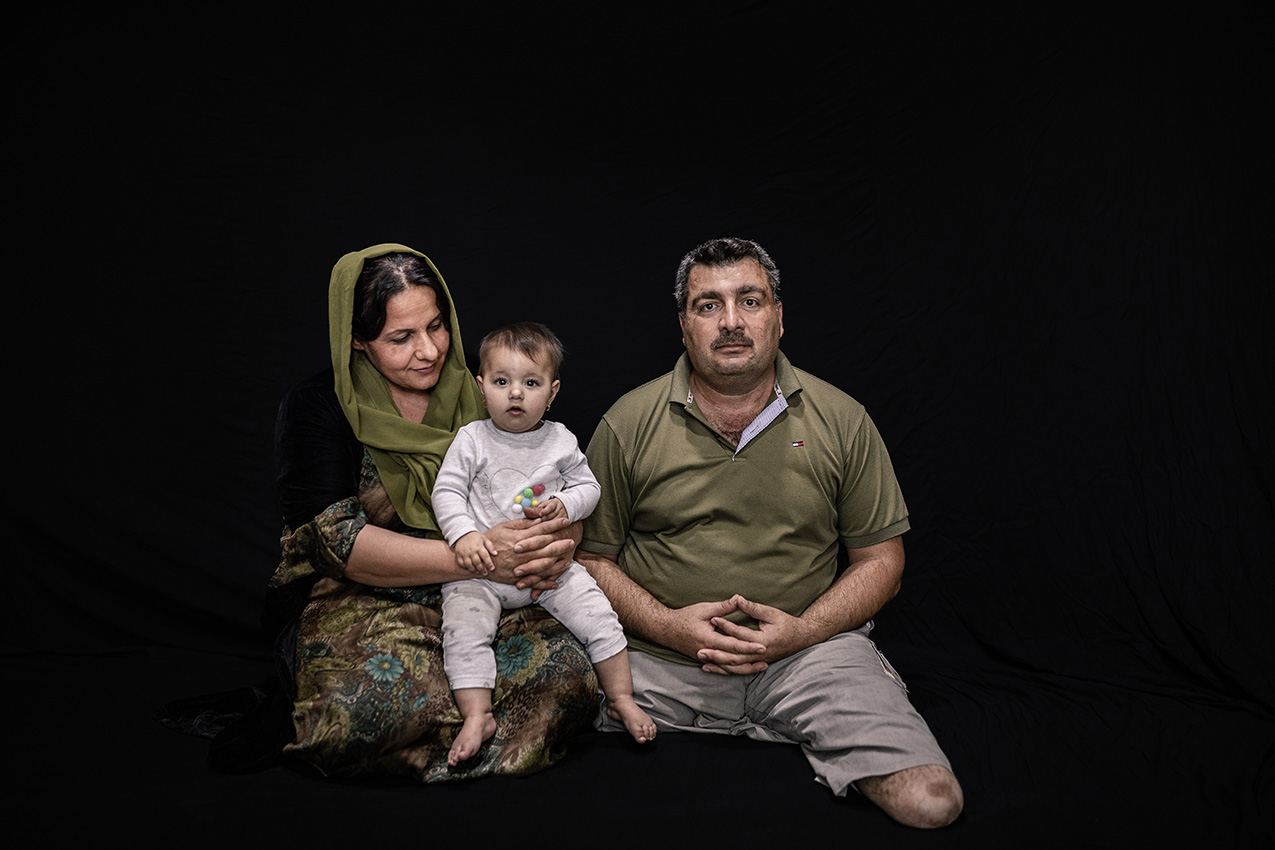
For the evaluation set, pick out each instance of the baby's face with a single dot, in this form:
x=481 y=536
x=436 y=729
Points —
x=518 y=390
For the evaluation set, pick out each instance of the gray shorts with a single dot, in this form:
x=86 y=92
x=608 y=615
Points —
x=840 y=700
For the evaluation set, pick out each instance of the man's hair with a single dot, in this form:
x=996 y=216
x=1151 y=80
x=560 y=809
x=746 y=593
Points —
x=723 y=252
x=531 y=339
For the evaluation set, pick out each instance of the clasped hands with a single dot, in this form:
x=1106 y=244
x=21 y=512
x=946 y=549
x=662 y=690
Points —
x=530 y=552
x=701 y=631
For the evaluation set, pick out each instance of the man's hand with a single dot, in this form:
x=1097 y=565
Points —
x=699 y=631
x=695 y=631
x=779 y=635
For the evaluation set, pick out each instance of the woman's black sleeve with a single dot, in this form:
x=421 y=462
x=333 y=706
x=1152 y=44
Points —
x=317 y=456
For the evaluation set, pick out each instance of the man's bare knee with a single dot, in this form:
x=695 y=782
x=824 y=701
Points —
x=925 y=797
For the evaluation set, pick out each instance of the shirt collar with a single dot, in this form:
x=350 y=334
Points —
x=680 y=392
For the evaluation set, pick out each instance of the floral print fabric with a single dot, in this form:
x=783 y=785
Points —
x=372 y=699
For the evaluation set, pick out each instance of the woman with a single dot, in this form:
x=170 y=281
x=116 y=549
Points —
x=355 y=600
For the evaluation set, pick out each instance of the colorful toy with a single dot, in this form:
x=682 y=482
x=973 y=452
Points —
x=529 y=497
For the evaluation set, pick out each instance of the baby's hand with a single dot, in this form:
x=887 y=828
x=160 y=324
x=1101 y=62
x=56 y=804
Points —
x=473 y=553
x=551 y=508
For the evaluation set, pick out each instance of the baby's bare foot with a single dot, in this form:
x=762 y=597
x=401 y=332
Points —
x=637 y=721
x=477 y=728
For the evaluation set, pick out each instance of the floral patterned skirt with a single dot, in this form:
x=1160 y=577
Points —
x=373 y=701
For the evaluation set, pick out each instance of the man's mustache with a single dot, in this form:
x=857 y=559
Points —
x=731 y=338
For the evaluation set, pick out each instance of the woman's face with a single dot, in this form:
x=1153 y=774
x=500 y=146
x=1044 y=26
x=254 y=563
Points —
x=411 y=348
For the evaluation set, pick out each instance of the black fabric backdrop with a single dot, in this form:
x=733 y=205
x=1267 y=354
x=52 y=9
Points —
x=1036 y=246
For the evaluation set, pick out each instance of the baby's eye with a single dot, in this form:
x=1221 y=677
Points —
x=500 y=382
x=532 y=382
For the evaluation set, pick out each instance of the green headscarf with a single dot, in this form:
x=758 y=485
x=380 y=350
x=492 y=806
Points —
x=407 y=454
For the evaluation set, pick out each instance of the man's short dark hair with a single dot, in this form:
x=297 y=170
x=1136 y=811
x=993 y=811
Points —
x=724 y=252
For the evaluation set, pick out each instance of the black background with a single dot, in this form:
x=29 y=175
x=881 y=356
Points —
x=1035 y=245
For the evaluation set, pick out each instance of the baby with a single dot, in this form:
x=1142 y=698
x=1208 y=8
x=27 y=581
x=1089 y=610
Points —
x=516 y=464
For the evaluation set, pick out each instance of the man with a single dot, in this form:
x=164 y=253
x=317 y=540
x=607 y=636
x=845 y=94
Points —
x=728 y=486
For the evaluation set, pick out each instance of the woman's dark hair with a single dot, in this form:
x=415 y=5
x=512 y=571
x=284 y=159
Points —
x=384 y=277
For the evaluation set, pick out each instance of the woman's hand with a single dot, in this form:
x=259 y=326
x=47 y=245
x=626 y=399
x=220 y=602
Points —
x=532 y=553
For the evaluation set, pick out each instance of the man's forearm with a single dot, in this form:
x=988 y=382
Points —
x=640 y=613
x=872 y=579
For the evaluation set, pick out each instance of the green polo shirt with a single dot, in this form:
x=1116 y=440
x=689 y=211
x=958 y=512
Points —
x=691 y=519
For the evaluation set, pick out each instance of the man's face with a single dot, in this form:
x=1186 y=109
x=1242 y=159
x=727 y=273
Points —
x=732 y=326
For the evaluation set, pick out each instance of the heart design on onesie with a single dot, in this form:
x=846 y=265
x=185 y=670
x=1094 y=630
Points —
x=505 y=484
